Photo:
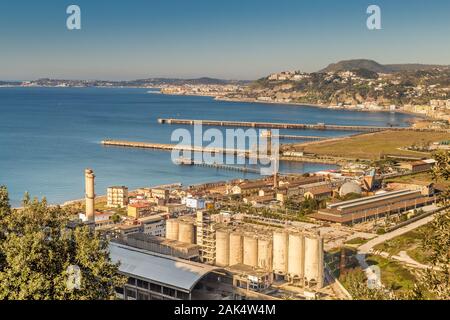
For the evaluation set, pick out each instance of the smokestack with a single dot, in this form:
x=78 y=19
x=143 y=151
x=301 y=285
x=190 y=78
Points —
x=90 y=194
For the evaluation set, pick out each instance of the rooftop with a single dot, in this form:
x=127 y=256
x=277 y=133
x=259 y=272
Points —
x=178 y=273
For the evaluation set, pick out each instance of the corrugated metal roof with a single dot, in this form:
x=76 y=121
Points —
x=163 y=269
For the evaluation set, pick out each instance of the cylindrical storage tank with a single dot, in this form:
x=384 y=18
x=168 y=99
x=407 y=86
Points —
x=280 y=251
x=265 y=254
x=250 y=251
x=172 y=229
x=314 y=259
x=186 y=232
x=295 y=255
x=222 y=248
x=236 y=249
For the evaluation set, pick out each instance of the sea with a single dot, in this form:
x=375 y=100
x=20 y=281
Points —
x=48 y=136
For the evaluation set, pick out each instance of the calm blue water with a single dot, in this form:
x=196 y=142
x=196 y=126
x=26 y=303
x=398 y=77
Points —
x=49 y=135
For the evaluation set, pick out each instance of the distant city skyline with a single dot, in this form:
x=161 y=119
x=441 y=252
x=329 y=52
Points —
x=230 y=39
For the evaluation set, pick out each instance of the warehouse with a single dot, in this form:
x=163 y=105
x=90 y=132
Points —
x=360 y=210
x=153 y=276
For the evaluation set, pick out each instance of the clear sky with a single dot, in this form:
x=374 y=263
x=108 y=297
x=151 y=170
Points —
x=239 y=39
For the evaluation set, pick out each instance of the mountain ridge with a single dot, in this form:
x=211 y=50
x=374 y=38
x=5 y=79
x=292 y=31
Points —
x=372 y=65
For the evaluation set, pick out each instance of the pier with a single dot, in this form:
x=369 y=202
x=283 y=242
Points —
x=191 y=162
x=244 y=153
x=275 y=125
x=170 y=147
x=294 y=137
x=294 y=126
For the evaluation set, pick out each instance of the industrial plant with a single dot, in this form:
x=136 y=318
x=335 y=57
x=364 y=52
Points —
x=279 y=237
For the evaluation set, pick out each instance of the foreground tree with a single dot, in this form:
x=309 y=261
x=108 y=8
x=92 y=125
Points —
x=5 y=211
x=45 y=260
x=437 y=280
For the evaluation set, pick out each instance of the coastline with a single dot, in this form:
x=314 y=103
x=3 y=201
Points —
x=419 y=117
x=320 y=106
x=244 y=100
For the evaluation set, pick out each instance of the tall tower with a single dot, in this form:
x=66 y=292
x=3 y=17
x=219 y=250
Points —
x=268 y=135
x=90 y=194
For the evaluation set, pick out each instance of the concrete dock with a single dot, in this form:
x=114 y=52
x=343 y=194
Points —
x=170 y=147
x=191 y=162
x=242 y=153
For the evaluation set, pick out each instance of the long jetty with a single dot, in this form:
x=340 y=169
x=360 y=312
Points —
x=294 y=126
x=295 y=137
x=191 y=162
x=170 y=147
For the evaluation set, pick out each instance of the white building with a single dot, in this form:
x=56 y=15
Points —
x=117 y=197
x=154 y=225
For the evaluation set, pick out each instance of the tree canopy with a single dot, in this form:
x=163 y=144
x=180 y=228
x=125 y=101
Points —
x=44 y=259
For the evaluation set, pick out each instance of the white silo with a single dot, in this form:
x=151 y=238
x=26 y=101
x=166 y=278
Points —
x=172 y=229
x=186 y=232
x=314 y=259
x=265 y=254
x=280 y=251
x=236 y=248
x=250 y=251
x=296 y=256
x=222 y=248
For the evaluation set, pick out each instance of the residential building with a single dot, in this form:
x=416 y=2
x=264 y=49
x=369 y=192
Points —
x=117 y=197
x=138 y=210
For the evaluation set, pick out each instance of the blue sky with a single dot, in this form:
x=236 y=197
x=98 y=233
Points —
x=239 y=39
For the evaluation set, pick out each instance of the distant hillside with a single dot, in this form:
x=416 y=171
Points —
x=136 y=83
x=9 y=83
x=412 y=85
x=176 y=81
x=349 y=65
x=413 y=67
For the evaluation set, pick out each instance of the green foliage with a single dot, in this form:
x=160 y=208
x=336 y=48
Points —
x=407 y=242
x=116 y=218
x=5 y=211
x=432 y=283
x=437 y=242
x=355 y=282
x=357 y=241
x=38 y=250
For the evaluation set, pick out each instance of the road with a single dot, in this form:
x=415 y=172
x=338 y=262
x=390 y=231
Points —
x=366 y=248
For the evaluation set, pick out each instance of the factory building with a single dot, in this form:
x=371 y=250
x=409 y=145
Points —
x=161 y=245
x=360 y=210
x=117 y=197
x=153 y=276
x=154 y=225
x=422 y=165
x=291 y=255
x=319 y=193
